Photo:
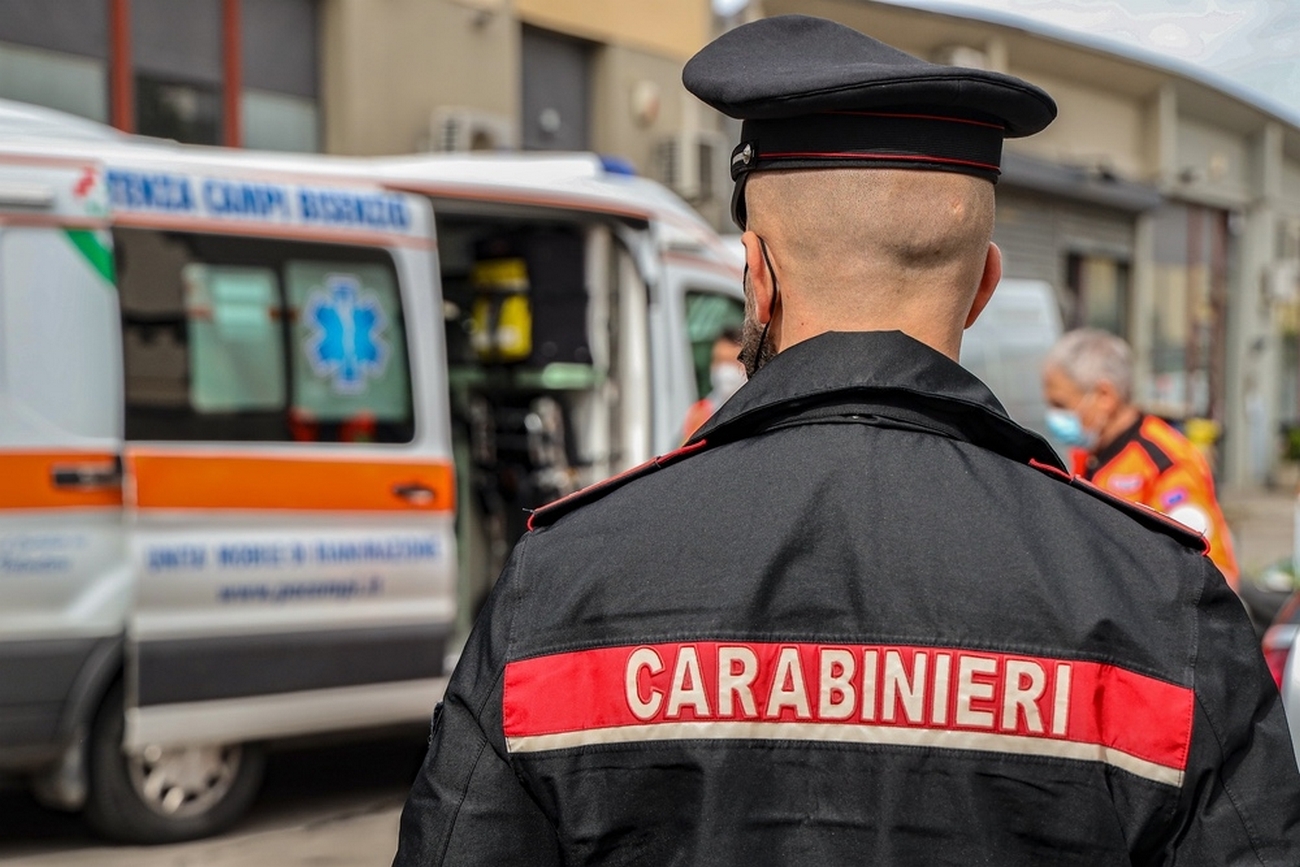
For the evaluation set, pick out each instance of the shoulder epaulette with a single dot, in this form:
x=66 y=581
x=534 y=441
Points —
x=1144 y=515
x=552 y=512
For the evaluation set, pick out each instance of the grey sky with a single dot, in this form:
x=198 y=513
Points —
x=1254 y=43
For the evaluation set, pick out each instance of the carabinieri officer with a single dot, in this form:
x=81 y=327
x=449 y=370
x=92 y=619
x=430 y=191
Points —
x=861 y=617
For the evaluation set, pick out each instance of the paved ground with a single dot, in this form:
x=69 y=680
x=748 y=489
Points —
x=332 y=807
x=1263 y=525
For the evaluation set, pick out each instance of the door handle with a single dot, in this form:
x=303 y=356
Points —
x=87 y=476
x=415 y=493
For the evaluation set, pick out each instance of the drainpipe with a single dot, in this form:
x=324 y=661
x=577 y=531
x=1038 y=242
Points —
x=232 y=59
x=121 y=83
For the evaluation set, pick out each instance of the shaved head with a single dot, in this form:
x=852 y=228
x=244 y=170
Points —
x=876 y=249
x=911 y=223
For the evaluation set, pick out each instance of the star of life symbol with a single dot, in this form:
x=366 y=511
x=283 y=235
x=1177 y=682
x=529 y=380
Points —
x=346 y=343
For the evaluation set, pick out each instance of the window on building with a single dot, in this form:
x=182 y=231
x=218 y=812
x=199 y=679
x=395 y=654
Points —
x=556 y=91
x=1194 y=253
x=78 y=85
x=1097 y=293
x=189 y=113
x=278 y=122
x=240 y=339
x=279 y=103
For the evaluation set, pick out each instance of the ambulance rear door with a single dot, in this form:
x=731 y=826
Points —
x=64 y=587
x=289 y=481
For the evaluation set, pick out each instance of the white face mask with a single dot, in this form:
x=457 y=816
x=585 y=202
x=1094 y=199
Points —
x=726 y=379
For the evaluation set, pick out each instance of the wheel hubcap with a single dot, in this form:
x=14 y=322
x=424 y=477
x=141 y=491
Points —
x=178 y=782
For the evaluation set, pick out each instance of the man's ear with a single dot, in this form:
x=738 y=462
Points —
x=988 y=282
x=760 y=278
x=1108 y=399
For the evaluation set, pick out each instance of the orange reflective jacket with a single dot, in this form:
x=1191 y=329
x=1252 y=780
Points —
x=1155 y=465
x=700 y=412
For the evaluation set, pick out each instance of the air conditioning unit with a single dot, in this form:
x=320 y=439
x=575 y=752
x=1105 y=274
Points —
x=455 y=130
x=1288 y=239
x=962 y=55
x=695 y=165
x=1282 y=281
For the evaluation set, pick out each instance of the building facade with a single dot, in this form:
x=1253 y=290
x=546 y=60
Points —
x=235 y=72
x=600 y=75
x=365 y=77
x=1160 y=205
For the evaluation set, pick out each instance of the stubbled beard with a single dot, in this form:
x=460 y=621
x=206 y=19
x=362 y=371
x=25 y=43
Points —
x=755 y=351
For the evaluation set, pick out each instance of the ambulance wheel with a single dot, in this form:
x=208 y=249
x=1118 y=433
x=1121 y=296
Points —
x=165 y=794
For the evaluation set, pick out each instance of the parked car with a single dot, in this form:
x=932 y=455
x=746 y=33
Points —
x=1279 y=642
x=1266 y=591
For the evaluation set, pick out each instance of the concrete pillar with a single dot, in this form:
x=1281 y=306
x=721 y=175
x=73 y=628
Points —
x=1142 y=307
x=1161 y=136
x=1253 y=353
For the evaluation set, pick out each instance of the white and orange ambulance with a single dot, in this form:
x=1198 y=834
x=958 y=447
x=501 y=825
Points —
x=263 y=448
x=226 y=483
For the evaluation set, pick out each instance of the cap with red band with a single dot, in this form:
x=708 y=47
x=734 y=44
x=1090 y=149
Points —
x=816 y=94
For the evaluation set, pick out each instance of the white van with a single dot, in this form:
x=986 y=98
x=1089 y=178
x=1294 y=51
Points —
x=248 y=408
x=227 y=497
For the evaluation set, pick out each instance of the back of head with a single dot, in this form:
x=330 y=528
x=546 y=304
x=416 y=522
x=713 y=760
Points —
x=1090 y=356
x=867 y=243
x=901 y=246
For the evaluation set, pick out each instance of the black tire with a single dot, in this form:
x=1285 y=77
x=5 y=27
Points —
x=118 y=808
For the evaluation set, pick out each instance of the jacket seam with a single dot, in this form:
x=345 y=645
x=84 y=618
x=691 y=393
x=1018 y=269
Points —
x=1227 y=790
x=1199 y=595
x=1193 y=657
x=455 y=817
x=518 y=575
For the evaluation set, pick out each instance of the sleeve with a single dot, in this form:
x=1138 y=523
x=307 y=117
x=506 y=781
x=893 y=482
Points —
x=1187 y=496
x=467 y=806
x=1240 y=802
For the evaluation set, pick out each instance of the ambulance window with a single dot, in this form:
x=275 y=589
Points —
x=243 y=339
x=349 y=363
x=236 y=346
x=708 y=314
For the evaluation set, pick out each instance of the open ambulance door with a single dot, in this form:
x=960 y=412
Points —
x=546 y=312
x=701 y=298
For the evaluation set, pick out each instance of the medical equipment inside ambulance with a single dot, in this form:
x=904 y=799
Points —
x=532 y=388
x=521 y=369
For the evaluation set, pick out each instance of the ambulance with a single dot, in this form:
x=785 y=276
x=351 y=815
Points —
x=265 y=443
x=226 y=484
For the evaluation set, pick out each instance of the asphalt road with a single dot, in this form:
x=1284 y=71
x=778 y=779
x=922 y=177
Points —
x=334 y=806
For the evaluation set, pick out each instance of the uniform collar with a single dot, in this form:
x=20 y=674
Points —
x=868 y=366
x=1112 y=449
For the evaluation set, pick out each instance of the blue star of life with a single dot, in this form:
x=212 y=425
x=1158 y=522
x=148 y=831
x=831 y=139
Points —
x=346 y=344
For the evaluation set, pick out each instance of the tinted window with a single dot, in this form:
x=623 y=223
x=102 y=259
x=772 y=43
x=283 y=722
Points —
x=241 y=339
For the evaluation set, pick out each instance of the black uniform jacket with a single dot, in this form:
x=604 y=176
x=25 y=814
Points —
x=850 y=623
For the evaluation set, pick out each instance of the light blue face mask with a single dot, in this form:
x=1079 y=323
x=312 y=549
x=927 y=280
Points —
x=1064 y=424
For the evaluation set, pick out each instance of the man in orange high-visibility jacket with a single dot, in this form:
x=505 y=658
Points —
x=1087 y=381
